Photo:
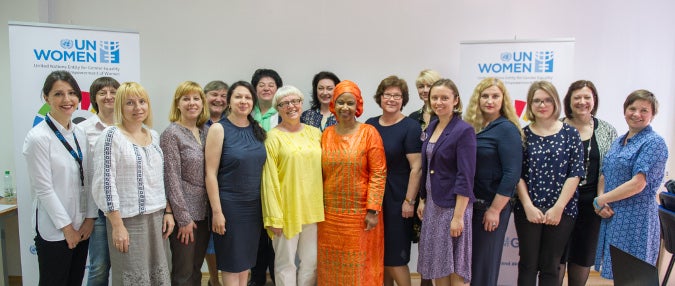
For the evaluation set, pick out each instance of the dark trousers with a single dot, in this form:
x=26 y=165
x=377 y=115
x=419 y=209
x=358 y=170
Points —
x=486 y=256
x=60 y=265
x=264 y=261
x=187 y=259
x=541 y=247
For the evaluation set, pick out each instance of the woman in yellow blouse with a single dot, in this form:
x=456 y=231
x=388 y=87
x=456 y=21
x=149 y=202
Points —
x=292 y=190
x=351 y=239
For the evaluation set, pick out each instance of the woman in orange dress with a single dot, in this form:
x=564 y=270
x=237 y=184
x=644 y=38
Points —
x=351 y=239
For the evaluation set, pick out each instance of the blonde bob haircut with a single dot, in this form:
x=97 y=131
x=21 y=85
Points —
x=550 y=90
x=124 y=92
x=474 y=116
x=427 y=77
x=187 y=88
x=285 y=91
x=457 y=110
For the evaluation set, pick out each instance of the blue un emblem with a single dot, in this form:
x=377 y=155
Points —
x=66 y=44
x=543 y=61
x=109 y=52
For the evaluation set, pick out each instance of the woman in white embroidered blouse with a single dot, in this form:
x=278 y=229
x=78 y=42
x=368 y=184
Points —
x=128 y=186
x=55 y=152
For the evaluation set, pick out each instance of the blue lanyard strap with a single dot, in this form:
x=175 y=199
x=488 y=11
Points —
x=77 y=156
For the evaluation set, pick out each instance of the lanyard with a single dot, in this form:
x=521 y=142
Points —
x=77 y=156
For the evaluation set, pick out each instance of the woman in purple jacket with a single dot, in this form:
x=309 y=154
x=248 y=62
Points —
x=448 y=168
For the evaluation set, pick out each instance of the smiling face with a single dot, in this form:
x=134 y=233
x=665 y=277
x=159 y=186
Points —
x=134 y=110
x=423 y=91
x=638 y=115
x=266 y=89
x=490 y=102
x=62 y=99
x=217 y=101
x=324 y=91
x=391 y=100
x=543 y=105
x=290 y=108
x=190 y=106
x=443 y=100
x=241 y=102
x=345 y=107
x=105 y=99
x=582 y=102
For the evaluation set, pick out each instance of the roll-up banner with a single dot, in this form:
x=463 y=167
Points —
x=37 y=49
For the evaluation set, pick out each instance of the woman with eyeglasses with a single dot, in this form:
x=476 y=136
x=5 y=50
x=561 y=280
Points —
x=632 y=174
x=402 y=145
x=292 y=191
x=547 y=198
x=56 y=153
x=350 y=240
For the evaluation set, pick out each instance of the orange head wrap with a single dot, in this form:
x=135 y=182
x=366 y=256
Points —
x=344 y=87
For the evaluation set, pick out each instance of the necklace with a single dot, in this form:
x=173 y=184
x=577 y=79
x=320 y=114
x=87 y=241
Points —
x=587 y=156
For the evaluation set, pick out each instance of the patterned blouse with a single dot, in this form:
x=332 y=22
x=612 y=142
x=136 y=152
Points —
x=127 y=177
x=313 y=117
x=548 y=162
x=184 y=173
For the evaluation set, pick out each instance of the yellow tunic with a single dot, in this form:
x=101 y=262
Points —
x=292 y=186
x=354 y=171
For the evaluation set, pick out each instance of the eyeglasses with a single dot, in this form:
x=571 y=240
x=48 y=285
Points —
x=285 y=104
x=547 y=101
x=392 y=96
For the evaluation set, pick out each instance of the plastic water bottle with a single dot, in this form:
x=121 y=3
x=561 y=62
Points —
x=9 y=185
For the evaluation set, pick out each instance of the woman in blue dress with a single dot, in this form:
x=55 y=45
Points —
x=544 y=214
x=632 y=172
x=235 y=155
x=402 y=147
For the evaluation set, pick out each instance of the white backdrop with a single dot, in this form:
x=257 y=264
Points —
x=36 y=50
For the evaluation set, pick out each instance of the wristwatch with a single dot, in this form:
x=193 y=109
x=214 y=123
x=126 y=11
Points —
x=410 y=202
x=373 y=212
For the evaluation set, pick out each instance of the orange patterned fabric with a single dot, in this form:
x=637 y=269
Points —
x=354 y=172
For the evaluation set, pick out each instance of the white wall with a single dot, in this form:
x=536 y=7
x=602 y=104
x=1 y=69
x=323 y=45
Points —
x=620 y=45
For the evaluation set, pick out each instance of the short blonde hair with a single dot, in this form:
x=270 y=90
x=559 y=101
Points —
x=427 y=76
x=547 y=87
x=124 y=92
x=475 y=117
x=185 y=88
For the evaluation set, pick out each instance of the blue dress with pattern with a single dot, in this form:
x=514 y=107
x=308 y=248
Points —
x=634 y=227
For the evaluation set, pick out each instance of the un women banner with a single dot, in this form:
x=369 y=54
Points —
x=518 y=64
x=37 y=49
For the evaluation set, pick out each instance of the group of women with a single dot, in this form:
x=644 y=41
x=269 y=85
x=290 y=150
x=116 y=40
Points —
x=337 y=198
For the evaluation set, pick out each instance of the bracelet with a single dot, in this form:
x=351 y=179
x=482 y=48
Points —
x=166 y=213
x=410 y=202
x=596 y=206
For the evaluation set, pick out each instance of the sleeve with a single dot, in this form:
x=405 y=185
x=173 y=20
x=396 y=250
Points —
x=170 y=145
x=651 y=158
x=526 y=154
x=87 y=163
x=509 y=147
x=39 y=163
x=377 y=167
x=104 y=182
x=466 y=162
x=270 y=195
x=413 y=144
x=576 y=154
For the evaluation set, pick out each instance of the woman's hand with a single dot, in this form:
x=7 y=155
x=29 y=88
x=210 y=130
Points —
x=277 y=231
x=534 y=215
x=491 y=220
x=218 y=223
x=420 y=210
x=553 y=215
x=407 y=210
x=167 y=225
x=86 y=228
x=72 y=236
x=120 y=238
x=371 y=220
x=186 y=233
x=456 y=227
x=606 y=212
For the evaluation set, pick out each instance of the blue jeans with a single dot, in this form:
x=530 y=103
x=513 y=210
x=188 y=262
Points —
x=99 y=256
